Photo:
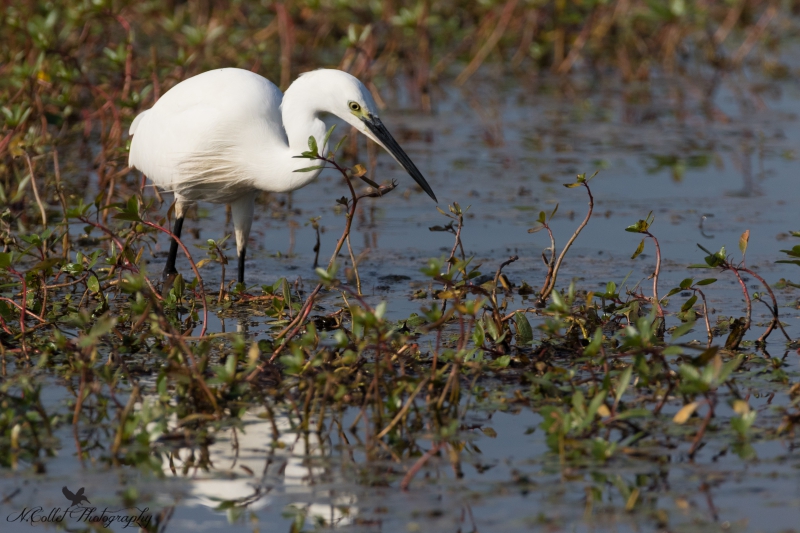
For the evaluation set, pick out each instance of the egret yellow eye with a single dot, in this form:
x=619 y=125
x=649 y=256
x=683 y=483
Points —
x=355 y=107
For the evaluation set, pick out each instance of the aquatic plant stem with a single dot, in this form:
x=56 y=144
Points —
x=705 y=316
x=746 y=296
x=656 y=299
x=548 y=288
x=495 y=311
x=773 y=309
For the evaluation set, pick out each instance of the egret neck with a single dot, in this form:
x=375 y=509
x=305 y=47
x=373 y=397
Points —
x=301 y=120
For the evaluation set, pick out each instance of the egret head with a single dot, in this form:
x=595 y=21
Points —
x=347 y=98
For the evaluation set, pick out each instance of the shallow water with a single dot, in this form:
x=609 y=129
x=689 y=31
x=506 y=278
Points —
x=681 y=147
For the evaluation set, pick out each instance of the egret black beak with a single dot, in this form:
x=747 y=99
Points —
x=380 y=132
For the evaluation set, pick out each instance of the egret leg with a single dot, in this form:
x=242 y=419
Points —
x=242 y=210
x=180 y=212
x=242 y=253
x=169 y=268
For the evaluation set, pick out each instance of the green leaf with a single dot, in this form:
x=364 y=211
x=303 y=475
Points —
x=312 y=145
x=72 y=268
x=93 y=284
x=478 y=334
x=611 y=288
x=103 y=325
x=309 y=169
x=639 y=250
x=287 y=295
x=44 y=265
x=132 y=217
x=594 y=405
x=339 y=144
x=707 y=281
x=524 y=331
x=5 y=259
x=178 y=285
x=683 y=329
x=685 y=284
x=641 y=226
x=689 y=303
x=794 y=252
x=634 y=413
x=230 y=365
x=328 y=135
x=728 y=368
x=502 y=361
x=596 y=343
x=624 y=381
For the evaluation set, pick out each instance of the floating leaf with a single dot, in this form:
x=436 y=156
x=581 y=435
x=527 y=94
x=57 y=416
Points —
x=489 y=432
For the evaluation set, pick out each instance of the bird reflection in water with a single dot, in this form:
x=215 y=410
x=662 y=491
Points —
x=251 y=469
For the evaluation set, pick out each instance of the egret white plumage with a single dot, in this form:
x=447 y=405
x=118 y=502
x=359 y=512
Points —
x=222 y=135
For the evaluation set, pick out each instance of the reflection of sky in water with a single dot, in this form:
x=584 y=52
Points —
x=666 y=147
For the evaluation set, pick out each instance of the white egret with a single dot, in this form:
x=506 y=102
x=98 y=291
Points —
x=222 y=135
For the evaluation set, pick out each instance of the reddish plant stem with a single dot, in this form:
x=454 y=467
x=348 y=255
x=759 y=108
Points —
x=546 y=290
x=774 y=308
x=657 y=271
x=705 y=316
x=746 y=297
